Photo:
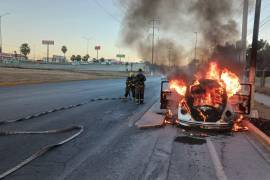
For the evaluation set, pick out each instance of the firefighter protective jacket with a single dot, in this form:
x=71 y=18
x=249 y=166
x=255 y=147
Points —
x=140 y=79
x=130 y=82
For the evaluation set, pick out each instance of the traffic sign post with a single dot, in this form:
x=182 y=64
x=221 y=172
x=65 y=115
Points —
x=120 y=56
x=48 y=43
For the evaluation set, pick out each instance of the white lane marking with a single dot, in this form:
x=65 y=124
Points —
x=214 y=156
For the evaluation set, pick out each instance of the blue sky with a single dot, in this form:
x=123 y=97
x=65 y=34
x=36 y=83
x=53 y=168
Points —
x=265 y=21
x=67 y=21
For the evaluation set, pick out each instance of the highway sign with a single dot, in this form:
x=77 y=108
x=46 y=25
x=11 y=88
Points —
x=120 y=55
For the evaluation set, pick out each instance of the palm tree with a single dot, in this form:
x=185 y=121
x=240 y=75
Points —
x=64 y=50
x=25 y=49
x=86 y=57
x=78 y=58
x=73 y=58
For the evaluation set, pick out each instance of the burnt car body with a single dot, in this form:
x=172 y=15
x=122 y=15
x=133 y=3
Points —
x=207 y=106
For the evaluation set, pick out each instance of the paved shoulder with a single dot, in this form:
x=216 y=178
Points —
x=262 y=99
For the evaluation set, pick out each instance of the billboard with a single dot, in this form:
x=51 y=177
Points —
x=48 y=42
x=97 y=47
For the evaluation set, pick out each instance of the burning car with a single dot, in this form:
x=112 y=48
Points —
x=206 y=105
x=213 y=101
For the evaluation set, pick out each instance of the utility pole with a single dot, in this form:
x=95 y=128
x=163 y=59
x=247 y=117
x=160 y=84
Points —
x=87 y=44
x=154 y=21
x=252 y=69
x=243 y=47
x=244 y=32
x=195 y=56
x=169 y=54
x=1 y=45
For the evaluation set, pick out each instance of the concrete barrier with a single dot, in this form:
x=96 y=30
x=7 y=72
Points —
x=261 y=136
x=82 y=67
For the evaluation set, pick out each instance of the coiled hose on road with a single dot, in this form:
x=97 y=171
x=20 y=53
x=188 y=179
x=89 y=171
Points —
x=47 y=148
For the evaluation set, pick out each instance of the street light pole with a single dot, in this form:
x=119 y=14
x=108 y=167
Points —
x=169 y=54
x=1 y=45
x=87 y=44
x=195 y=55
x=153 y=39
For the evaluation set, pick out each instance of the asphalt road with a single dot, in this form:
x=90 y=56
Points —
x=111 y=147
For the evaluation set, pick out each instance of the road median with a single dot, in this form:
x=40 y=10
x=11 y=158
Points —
x=18 y=76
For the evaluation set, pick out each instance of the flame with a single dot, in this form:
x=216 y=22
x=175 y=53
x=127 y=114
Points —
x=213 y=71
x=238 y=126
x=179 y=86
x=225 y=78
x=231 y=81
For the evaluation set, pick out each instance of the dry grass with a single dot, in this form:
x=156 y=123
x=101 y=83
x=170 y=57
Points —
x=264 y=111
x=16 y=76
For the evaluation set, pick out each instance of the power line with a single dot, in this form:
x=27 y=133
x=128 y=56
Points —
x=266 y=22
x=265 y=6
x=123 y=8
x=262 y=26
x=265 y=19
x=106 y=11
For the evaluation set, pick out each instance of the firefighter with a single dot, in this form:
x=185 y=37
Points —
x=130 y=86
x=139 y=87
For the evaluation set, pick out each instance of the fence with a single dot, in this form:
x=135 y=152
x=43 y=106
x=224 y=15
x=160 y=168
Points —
x=263 y=77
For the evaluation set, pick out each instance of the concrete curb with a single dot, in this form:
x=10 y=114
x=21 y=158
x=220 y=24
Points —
x=152 y=118
x=133 y=119
x=261 y=136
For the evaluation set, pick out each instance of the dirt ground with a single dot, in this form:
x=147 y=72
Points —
x=264 y=90
x=17 y=76
x=264 y=111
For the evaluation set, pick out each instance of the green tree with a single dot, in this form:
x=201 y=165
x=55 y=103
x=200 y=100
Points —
x=78 y=58
x=102 y=59
x=86 y=57
x=25 y=49
x=263 y=54
x=64 y=50
x=73 y=58
x=95 y=60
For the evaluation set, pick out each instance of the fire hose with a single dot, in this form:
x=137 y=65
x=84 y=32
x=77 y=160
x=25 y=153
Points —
x=47 y=148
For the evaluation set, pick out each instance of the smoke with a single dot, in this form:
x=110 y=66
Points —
x=167 y=52
x=214 y=20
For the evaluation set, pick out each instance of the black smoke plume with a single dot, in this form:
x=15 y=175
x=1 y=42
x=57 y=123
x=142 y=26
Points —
x=214 y=20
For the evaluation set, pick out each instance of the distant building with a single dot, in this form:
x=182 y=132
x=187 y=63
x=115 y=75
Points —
x=55 y=59
x=44 y=59
x=11 y=56
x=58 y=59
